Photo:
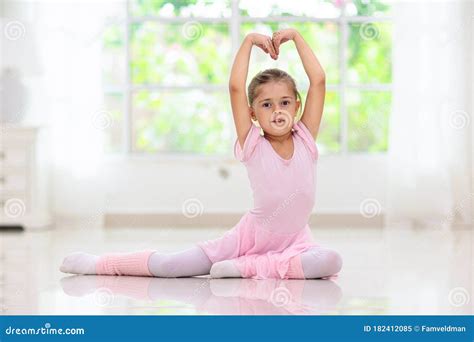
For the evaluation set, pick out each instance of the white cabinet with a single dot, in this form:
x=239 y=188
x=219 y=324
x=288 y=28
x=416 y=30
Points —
x=23 y=179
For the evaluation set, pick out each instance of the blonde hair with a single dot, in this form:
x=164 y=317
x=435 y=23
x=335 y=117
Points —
x=271 y=75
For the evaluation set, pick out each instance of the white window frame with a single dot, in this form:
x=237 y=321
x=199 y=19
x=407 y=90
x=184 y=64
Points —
x=234 y=22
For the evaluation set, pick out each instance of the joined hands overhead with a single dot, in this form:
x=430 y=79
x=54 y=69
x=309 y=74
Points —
x=271 y=45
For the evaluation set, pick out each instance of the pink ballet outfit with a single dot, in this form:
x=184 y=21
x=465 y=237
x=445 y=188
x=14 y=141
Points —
x=268 y=239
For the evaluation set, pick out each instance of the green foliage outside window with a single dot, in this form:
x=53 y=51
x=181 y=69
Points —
x=182 y=56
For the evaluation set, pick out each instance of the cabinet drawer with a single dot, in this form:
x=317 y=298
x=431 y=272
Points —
x=14 y=155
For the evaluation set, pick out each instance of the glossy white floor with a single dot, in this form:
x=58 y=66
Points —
x=387 y=272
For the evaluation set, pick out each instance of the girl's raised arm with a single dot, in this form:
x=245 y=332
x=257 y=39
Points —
x=238 y=79
x=313 y=108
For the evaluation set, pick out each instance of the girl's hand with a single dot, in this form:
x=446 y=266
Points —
x=265 y=43
x=282 y=36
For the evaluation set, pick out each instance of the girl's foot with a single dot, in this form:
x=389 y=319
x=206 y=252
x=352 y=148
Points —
x=79 y=263
x=225 y=269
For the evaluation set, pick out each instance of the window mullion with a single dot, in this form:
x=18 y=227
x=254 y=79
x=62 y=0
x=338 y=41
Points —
x=235 y=37
x=127 y=126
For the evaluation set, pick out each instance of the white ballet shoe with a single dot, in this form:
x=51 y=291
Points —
x=79 y=263
x=224 y=269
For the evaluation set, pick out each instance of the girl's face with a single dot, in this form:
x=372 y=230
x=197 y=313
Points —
x=275 y=108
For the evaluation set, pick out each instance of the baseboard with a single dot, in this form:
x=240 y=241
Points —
x=228 y=220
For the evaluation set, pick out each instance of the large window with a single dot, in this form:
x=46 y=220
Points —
x=166 y=67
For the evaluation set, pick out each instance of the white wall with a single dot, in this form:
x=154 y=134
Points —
x=136 y=185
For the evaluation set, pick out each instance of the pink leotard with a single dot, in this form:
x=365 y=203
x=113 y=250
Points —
x=276 y=228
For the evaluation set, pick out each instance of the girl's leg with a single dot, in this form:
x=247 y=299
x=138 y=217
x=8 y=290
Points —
x=187 y=263
x=191 y=262
x=316 y=262
x=257 y=266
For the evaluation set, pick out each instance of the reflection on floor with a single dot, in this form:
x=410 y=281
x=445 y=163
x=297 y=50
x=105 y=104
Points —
x=385 y=271
x=206 y=296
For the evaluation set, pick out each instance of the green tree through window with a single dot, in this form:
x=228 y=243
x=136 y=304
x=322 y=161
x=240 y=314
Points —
x=170 y=93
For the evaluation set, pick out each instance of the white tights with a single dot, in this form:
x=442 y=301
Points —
x=187 y=263
x=317 y=262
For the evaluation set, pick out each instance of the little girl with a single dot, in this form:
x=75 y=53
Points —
x=272 y=240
